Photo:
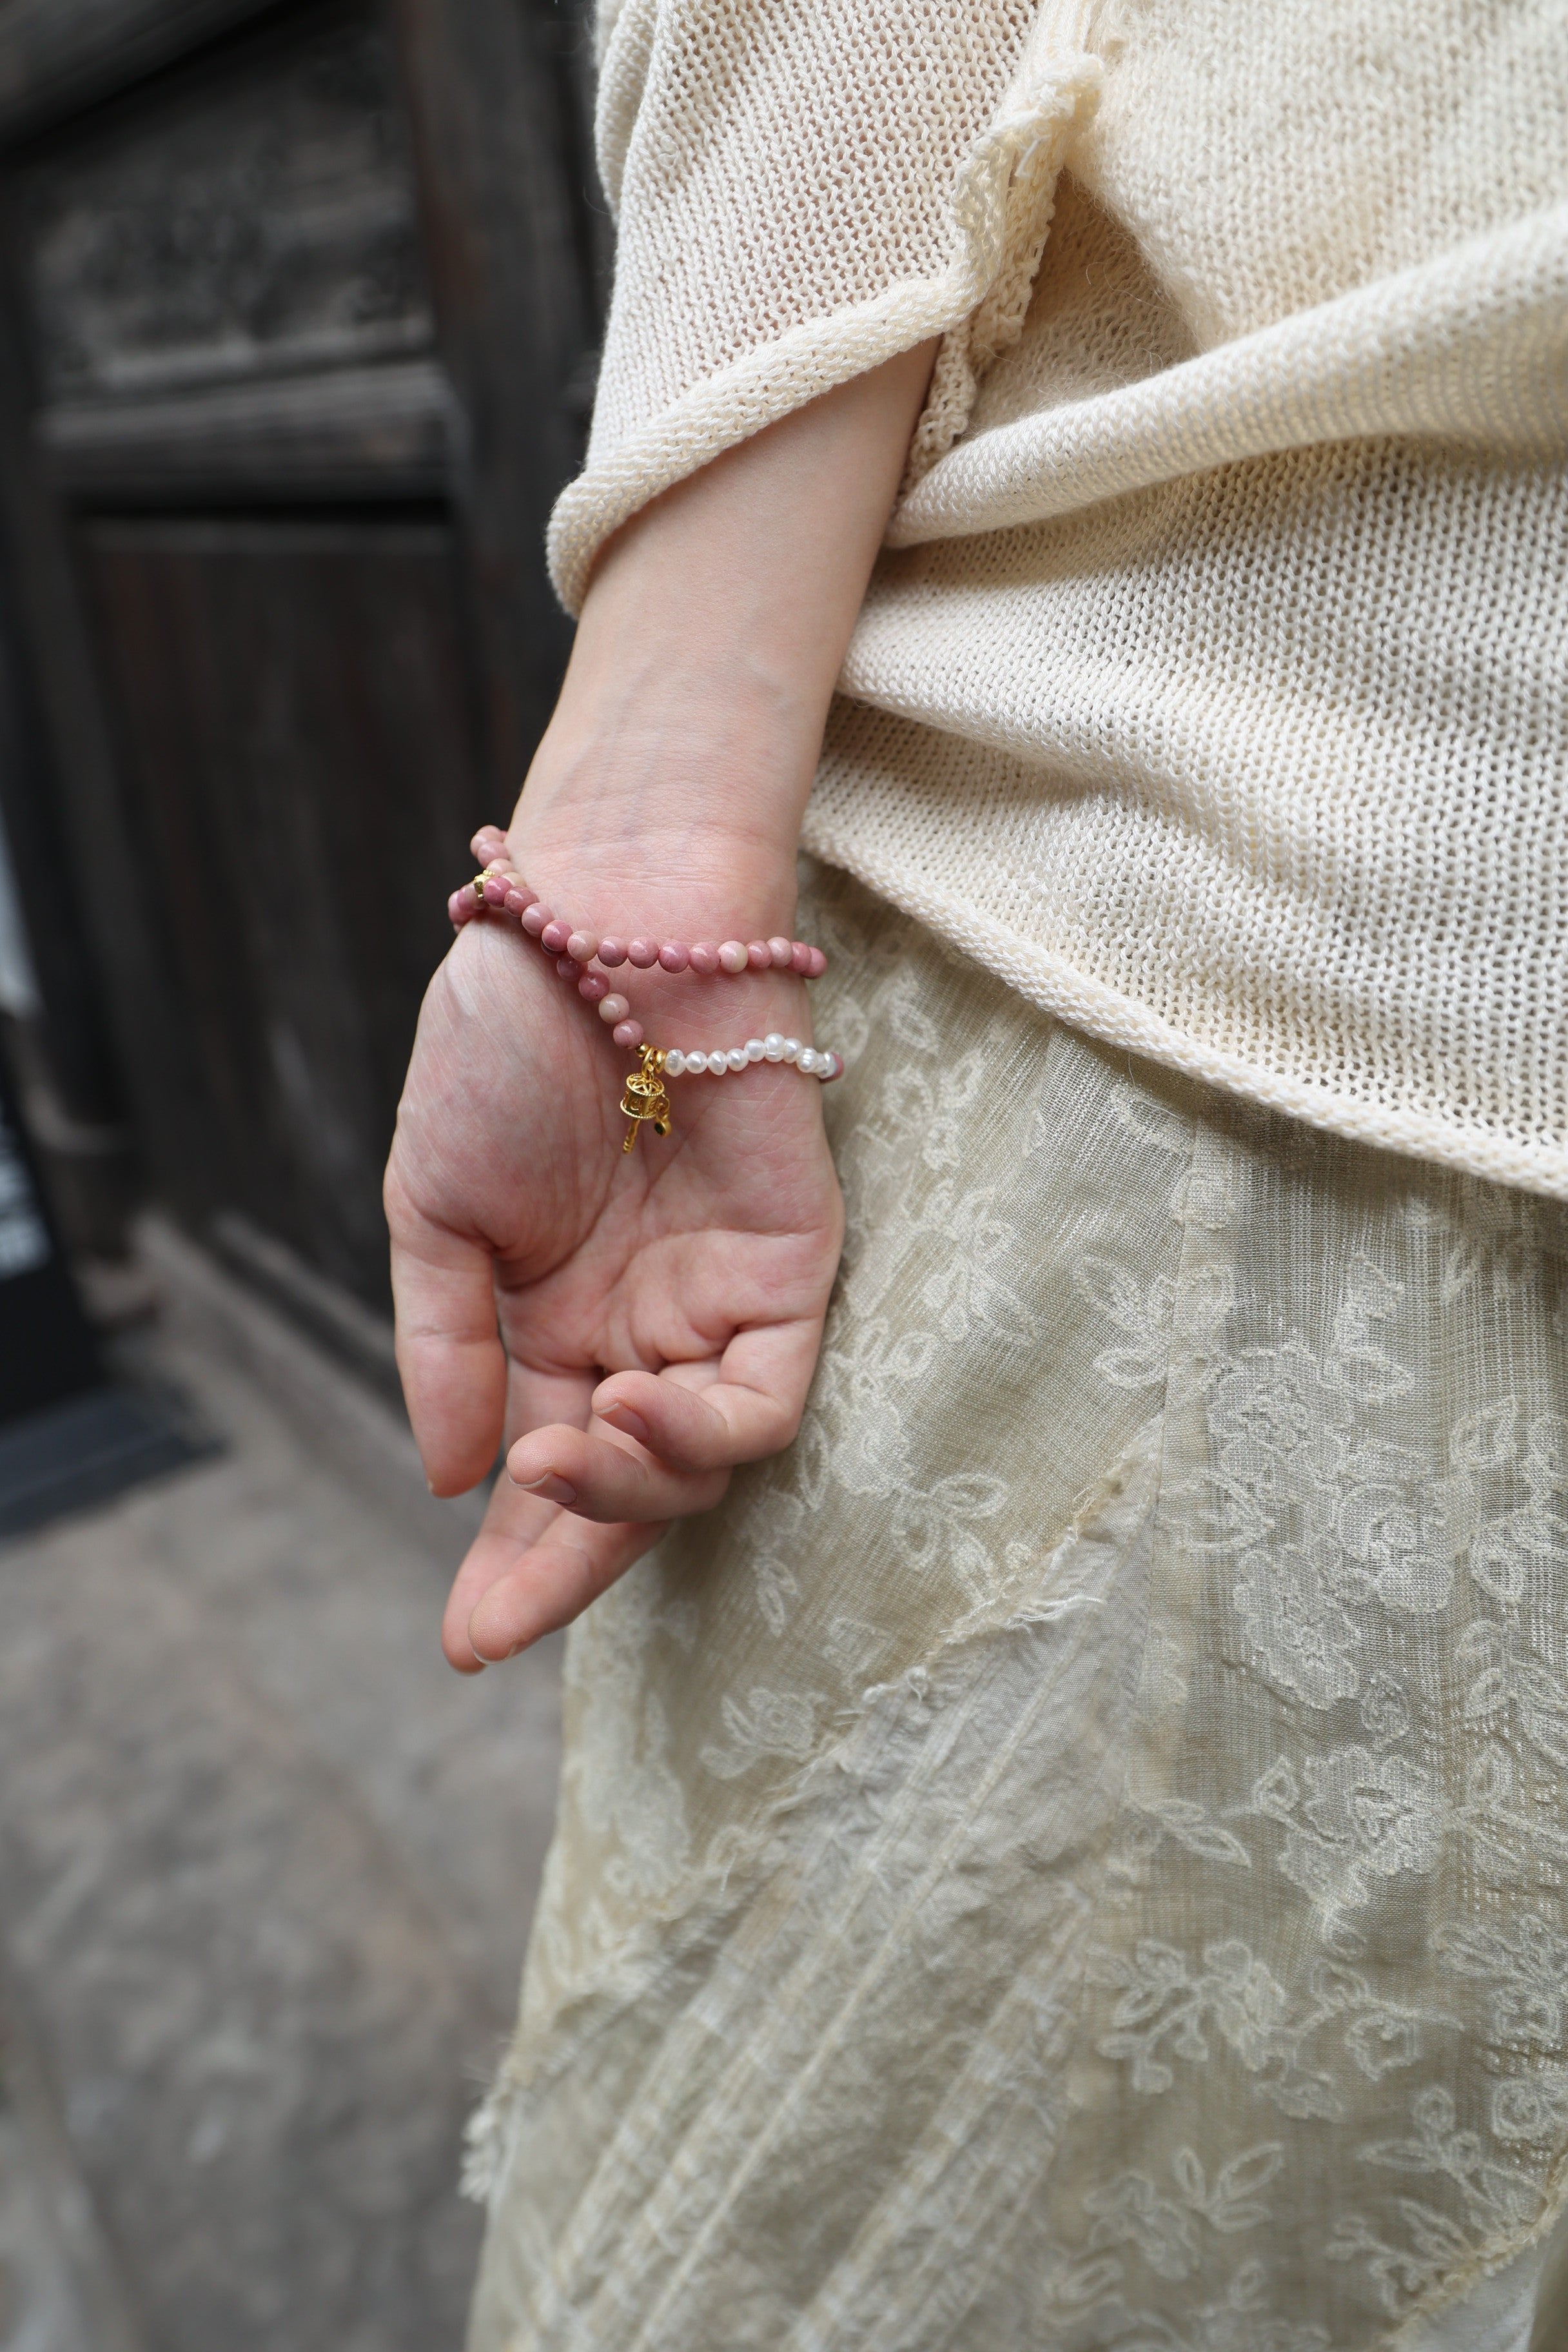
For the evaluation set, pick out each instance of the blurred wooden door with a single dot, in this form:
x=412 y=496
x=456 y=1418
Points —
x=298 y=323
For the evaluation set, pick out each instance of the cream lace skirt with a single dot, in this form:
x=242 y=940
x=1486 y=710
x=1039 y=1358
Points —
x=1071 y=1858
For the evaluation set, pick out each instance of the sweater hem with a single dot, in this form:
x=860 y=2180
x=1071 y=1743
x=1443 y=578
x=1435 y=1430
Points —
x=1053 y=983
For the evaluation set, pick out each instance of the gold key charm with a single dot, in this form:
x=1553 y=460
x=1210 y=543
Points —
x=645 y=1098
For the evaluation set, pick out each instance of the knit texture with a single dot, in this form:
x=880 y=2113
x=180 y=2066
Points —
x=1212 y=691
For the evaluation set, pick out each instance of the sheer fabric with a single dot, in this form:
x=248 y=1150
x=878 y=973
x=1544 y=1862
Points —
x=1070 y=1857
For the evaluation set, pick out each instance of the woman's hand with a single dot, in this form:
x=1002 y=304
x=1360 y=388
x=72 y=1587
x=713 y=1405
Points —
x=658 y=1311
x=638 y=1324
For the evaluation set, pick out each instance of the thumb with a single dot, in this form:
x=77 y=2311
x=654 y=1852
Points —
x=449 y=1352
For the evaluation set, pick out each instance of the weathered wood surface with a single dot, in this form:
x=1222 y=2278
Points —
x=294 y=698
x=60 y=54
x=255 y=216
x=352 y=432
x=497 y=148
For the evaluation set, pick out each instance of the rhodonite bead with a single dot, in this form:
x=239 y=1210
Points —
x=779 y=953
x=627 y=1033
x=733 y=955
x=613 y=1008
x=675 y=956
x=566 y=968
x=534 y=920
x=758 y=955
x=800 y=958
x=488 y=842
x=516 y=903
x=612 y=954
x=461 y=907
x=583 y=946
x=817 y=965
x=496 y=886
x=556 y=935
x=593 y=986
x=705 y=959
x=643 y=954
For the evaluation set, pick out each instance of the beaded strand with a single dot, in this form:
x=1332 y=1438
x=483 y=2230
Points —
x=496 y=889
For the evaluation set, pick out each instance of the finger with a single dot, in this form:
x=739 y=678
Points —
x=707 y=1417
x=609 y=1478
x=513 y=1522
x=449 y=1352
x=523 y=1579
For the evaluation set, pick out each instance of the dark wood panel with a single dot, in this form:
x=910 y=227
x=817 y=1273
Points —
x=491 y=94
x=256 y=215
x=294 y=704
x=392 y=431
x=56 y=55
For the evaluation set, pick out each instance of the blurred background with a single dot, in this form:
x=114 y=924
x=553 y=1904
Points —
x=299 y=316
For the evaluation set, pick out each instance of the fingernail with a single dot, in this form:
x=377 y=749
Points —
x=629 y=1424
x=549 y=1489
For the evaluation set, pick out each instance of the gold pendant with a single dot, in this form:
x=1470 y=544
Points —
x=645 y=1098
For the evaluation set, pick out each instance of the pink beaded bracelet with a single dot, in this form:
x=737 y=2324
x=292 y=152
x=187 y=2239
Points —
x=498 y=889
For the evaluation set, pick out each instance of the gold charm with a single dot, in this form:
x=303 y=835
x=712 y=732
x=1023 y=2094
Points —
x=645 y=1098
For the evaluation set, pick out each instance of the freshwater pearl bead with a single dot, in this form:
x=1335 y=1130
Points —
x=791 y=1049
x=753 y=1049
x=614 y=1008
x=593 y=986
x=612 y=954
x=554 y=936
x=800 y=958
x=718 y=1065
x=674 y=1062
x=643 y=954
x=675 y=957
x=583 y=946
x=779 y=953
x=534 y=920
x=627 y=1033
x=773 y=1046
x=705 y=958
x=835 y=1062
x=696 y=1064
x=736 y=1057
x=733 y=955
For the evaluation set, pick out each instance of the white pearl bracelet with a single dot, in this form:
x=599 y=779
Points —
x=812 y=1061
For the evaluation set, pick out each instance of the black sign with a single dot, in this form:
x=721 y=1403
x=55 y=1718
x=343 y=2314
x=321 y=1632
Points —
x=47 y=1351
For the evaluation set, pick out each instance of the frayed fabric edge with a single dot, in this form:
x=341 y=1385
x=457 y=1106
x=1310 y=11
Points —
x=1442 y=2301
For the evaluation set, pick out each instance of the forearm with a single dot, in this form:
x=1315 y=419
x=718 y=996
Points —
x=713 y=631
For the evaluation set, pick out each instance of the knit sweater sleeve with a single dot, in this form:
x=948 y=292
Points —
x=804 y=188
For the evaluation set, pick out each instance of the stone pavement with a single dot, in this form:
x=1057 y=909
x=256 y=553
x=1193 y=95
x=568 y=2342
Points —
x=266 y=1867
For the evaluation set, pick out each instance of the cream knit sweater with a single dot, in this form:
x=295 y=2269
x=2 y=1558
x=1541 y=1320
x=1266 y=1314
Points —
x=1214 y=690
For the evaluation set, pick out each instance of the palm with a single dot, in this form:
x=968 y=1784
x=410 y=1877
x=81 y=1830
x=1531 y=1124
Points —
x=694 y=1271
